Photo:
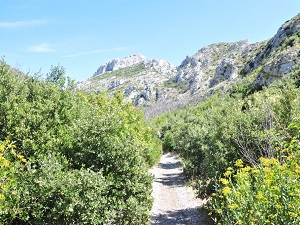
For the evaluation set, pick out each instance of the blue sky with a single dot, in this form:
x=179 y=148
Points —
x=83 y=34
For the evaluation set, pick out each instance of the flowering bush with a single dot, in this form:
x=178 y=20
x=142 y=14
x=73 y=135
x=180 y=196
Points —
x=268 y=193
x=4 y=171
x=9 y=164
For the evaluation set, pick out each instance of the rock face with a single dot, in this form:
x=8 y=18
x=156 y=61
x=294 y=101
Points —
x=211 y=65
x=158 y=86
x=277 y=56
x=140 y=79
x=117 y=64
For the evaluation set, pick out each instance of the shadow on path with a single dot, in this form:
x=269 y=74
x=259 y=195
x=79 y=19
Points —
x=175 y=179
x=188 y=216
x=170 y=166
x=171 y=179
x=174 y=204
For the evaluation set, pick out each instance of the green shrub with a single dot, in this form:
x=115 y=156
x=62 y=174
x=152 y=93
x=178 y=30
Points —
x=87 y=155
x=264 y=194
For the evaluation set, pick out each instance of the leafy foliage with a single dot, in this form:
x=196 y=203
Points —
x=87 y=155
x=213 y=134
x=265 y=194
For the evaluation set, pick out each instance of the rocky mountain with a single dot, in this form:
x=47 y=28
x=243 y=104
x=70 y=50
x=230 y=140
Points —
x=141 y=80
x=277 y=56
x=213 y=64
x=158 y=86
x=117 y=64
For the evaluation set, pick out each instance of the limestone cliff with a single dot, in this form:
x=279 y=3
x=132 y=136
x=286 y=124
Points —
x=158 y=86
x=278 y=55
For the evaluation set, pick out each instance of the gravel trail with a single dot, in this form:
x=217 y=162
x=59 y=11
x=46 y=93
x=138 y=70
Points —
x=174 y=202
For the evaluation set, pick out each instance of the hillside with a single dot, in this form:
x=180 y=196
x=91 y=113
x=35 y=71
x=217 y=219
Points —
x=157 y=86
x=138 y=78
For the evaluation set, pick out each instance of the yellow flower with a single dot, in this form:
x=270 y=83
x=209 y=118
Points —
x=242 y=175
x=233 y=206
x=247 y=169
x=219 y=211
x=224 y=181
x=2 y=197
x=239 y=222
x=278 y=206
x=239 y=163
x=267 y=170
x=268 y=162
x=2 y=186
x=226 y=190
x=260 y=195
x=292 y=214
x=21 y=158
x=5 y=163
x=275 y=161
x=227 y=173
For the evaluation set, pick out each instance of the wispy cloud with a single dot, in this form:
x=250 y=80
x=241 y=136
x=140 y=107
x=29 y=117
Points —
x=96 y=52
x=21 y=23
x=41 y=48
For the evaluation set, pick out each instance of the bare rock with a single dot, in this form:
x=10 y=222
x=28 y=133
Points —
x=120 y=63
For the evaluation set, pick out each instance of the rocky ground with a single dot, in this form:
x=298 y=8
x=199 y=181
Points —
x=174 y=202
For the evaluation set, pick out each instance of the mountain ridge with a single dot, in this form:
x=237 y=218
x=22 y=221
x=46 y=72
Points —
x=157 y=85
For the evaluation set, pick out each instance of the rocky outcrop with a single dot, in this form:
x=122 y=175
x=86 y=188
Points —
x=120 y=63
x=140 y=79
x=226 y=70
x=161 y=66
x=277 y=56
x=279 y=66
x=212 y=65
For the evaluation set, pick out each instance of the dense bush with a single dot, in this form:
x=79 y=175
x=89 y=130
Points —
x=267 y=193
x=87 y=155
x=213 y=134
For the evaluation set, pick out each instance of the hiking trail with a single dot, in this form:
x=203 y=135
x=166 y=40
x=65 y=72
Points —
x=175 y=203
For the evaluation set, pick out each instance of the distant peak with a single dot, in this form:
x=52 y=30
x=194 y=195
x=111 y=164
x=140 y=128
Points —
x=120 y=63
x=137 y=55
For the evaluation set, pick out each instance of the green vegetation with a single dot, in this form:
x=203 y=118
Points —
x=265 y=194
x=124 y=72
x=75 y=158
x=72 y=158
x=292 y=41
x=256 y=127
x=183 y=86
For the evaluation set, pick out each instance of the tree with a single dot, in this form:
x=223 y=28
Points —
x=57 y=75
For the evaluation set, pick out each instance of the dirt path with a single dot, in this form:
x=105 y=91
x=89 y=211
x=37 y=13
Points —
x=174 y=202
